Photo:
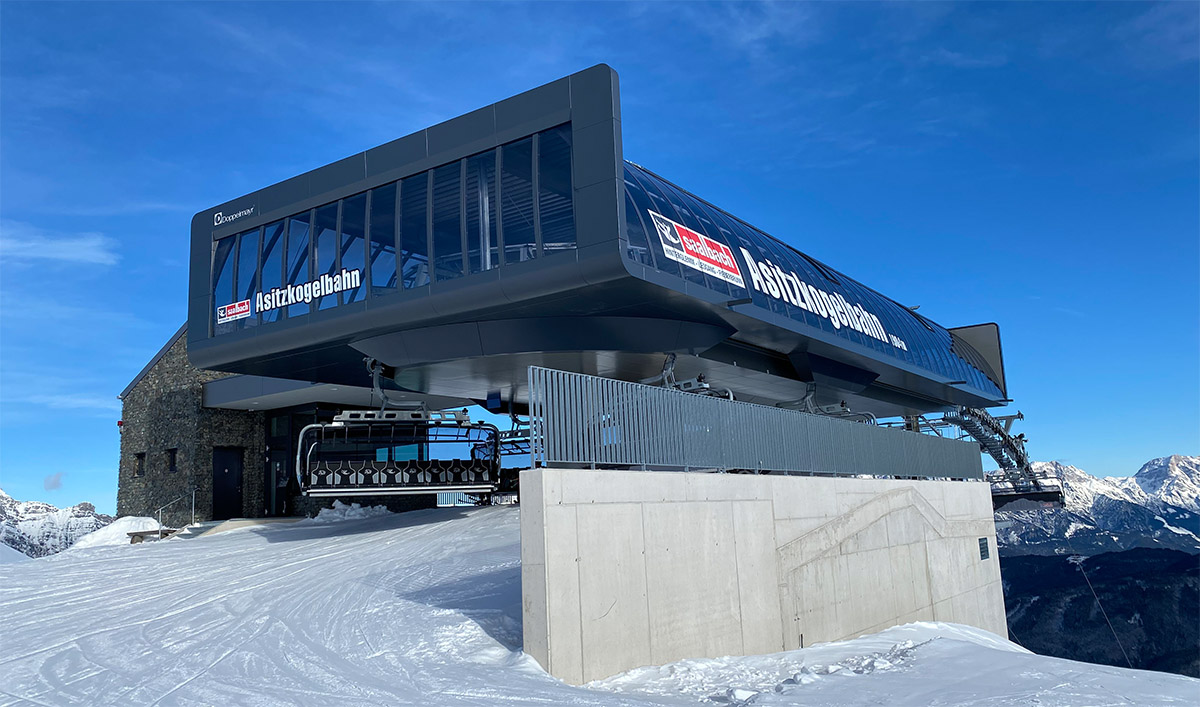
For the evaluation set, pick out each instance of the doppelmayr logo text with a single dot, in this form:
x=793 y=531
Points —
x=295 y=294
x=220 y=218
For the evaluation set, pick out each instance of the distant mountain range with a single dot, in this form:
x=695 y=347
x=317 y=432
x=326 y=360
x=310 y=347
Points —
x=38 y=529
x=1158 y=507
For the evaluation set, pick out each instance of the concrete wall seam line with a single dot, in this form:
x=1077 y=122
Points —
x=811 y=598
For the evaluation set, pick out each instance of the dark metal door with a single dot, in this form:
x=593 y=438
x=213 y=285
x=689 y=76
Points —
x=227 y=483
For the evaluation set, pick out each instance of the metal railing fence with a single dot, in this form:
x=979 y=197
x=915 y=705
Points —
x=584 y=421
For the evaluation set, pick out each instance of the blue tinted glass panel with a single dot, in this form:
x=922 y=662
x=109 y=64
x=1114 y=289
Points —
x=272 y=264
x=516 y=201
x=482 y=250
x=298 y=260
x=326 y=247
x=414 y=230
x=728 y=228
x=639 y=247
x=247 y=275
x=831 y=296
x=555 y=198
x=447 y=222
x=761 y=255
x=354 y=248
x=686 y=217
x=636 y=190
x=222 y=283
x=383 y=240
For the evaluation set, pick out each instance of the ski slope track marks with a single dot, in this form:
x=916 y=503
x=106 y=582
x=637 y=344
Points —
x=424 y=608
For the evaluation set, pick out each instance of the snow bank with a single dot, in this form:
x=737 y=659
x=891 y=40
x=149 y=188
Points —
x=752 y=679
x=8 y=555
x=115 y=533
x=341 y=512
x=424 y=608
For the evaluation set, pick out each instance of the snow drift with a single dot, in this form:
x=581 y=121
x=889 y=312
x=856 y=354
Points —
x=424 y=608
x=9 y=555
x=115 y=533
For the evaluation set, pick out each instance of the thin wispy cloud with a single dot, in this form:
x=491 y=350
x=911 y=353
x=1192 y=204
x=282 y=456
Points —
x=53 y=482
x=125 y=208
x=73 y=401
x=1166 y=34
x=756 y=30
x=29 y=306
x=77 y=402
x=21 y=241
x=959 y=60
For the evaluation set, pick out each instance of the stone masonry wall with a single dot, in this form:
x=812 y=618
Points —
x=165 y=411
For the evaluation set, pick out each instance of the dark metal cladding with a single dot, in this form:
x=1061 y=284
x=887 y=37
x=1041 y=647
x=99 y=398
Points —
x=517 y=235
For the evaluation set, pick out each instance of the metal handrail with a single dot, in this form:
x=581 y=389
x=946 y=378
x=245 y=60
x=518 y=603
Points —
x=164 y=507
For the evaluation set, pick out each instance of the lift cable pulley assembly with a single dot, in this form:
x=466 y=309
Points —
x=1016 y=478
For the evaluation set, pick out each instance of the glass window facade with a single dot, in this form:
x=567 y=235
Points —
x=247 y=274
x=271 y=264
x=497 y=208
x=383 y=240
x=516 y=201
x=555 y=205
x=222 y=270
x=447 y=222
x=482 y=245
x=298 y=257
x=414 y=230
x=325 y=250
x=353 y=242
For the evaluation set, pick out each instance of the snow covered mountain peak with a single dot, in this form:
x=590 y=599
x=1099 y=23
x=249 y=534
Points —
x=37 y=529
x=1174 y=480
x=1158 y=507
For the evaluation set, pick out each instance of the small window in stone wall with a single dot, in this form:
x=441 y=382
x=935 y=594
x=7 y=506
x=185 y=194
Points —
x=983 y=549
x=172 y=459
x=139 y=468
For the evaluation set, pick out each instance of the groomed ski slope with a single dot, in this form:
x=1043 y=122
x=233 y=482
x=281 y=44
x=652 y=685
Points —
x=424 y=609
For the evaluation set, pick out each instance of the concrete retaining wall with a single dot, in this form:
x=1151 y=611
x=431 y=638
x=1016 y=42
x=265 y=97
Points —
x=622 y=569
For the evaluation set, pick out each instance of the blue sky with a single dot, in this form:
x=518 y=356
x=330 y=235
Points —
x=1030 y=164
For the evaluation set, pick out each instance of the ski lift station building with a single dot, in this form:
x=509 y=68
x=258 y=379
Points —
x=513 y=258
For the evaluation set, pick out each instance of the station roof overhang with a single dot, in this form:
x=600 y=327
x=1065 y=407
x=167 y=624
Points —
x=614 y=305
x=263 y=393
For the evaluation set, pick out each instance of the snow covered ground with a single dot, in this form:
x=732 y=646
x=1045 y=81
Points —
x=9 y=555
x=115 y=533
x=424 y=609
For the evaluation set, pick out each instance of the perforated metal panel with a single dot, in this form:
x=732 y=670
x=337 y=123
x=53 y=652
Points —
x=586 y=421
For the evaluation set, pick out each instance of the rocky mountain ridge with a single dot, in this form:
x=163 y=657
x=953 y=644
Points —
x=37 y=529
x=1158 y=507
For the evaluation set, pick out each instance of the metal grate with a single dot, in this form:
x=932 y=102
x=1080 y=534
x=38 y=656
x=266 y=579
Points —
x=586 y=421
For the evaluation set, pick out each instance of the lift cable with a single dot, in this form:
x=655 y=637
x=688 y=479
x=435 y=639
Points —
x=1103 y=613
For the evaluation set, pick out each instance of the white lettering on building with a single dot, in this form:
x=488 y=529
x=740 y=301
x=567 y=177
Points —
x=770 y=279
x=220 y=218
x=697 y=250
x=324 y=285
